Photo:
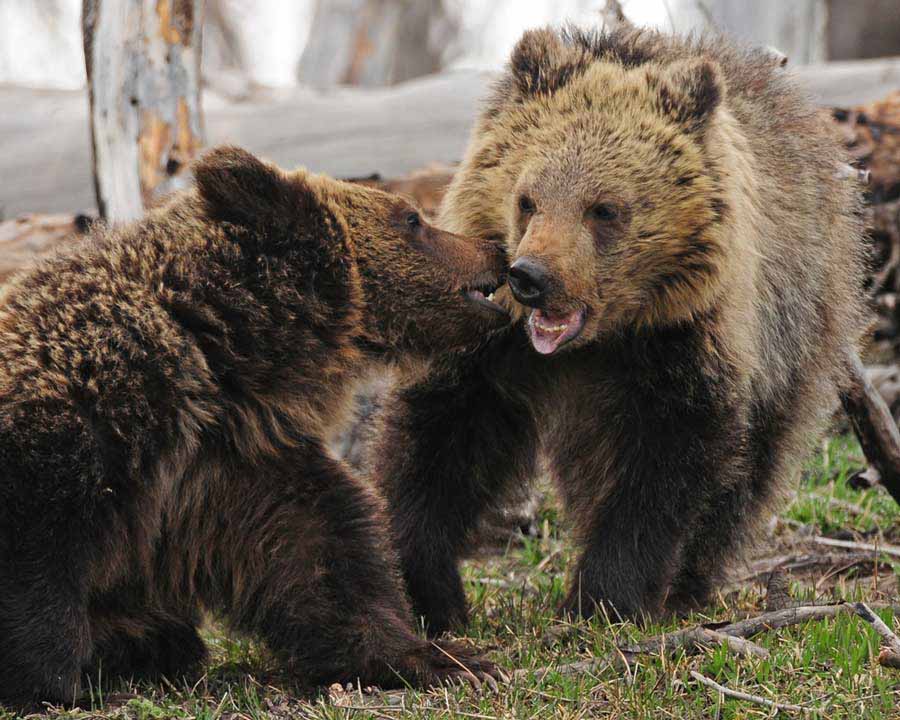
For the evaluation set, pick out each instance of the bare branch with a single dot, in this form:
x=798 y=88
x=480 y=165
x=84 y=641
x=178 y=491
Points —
x=891 y=550
x=874 y=425
x=809 y=561
x=790 y=616
x=782 y=618
x=888 y=635
x=739 y=695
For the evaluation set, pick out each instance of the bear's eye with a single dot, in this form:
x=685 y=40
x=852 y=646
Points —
x=526 y=204
x=413 y=221
x=604 y=212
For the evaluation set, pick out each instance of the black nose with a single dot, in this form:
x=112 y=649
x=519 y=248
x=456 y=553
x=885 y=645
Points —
x=528 y=280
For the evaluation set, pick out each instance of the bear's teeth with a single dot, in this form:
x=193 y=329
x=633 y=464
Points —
x=543 y=327
x=491 y=297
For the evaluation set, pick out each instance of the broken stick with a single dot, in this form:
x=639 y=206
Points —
x=874 y=426
x=739 y=695
x=892 y=550
x=890 y=653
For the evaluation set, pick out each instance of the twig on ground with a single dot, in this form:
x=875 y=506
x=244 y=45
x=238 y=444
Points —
x=738 y=695
x=497 y=582
x=891 y=550
x=573 y=668
x=799 y=563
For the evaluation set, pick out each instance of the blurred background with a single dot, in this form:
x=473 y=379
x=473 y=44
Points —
x=324 y=43
x=355 y=87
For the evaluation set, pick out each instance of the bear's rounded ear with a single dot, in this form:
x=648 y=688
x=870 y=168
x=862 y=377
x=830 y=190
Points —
x=538 y=62
x=690 y=90
x=240 y=188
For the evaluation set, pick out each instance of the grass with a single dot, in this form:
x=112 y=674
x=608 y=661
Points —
x=827 y=666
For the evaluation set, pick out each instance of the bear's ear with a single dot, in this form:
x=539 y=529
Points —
x=690 y=90
x=541 y=62
x=240 y=188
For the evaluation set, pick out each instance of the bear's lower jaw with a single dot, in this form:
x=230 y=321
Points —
x=550 y=332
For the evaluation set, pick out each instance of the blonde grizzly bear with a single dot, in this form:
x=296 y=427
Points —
x=164 y=393
x=686 y=274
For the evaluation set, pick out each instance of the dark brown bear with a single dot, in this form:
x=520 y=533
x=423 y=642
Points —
x=687 y=268
x=164 y=392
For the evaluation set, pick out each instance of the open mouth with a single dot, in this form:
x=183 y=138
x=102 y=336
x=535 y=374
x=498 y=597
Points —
x=550 y=332
x=482 y=294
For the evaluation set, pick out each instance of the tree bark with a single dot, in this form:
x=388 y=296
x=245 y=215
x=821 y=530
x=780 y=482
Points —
x=143 y=67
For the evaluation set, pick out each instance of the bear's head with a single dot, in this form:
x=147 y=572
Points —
x=601 y=176
x=420 y=290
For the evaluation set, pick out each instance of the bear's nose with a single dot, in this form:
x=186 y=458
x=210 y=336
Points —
x=528 y=280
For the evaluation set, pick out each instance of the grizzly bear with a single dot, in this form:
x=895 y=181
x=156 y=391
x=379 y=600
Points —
x=686 y=285
x=164 y=393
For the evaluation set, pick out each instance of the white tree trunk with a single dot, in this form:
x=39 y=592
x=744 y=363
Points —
x=143 y=68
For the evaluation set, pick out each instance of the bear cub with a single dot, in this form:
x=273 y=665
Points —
x=686 y=278
x=165 y=389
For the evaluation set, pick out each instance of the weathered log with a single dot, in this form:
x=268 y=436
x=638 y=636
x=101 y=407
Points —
x=874 y=426
x=143 y=68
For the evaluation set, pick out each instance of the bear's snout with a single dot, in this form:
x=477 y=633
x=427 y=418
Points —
x=529 y=280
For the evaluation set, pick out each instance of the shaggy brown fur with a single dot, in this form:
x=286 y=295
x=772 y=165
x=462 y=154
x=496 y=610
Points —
x=694 y=269
x=164 y=392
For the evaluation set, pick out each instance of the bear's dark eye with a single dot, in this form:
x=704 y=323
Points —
x=604 y=212
x=413 y=221
x=526 y=204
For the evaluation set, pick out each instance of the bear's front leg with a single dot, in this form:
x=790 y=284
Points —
x=632 y=551
x=638 y=469
x=303 y=560
x=450 y=447
x=45 y=634
x=136 y=639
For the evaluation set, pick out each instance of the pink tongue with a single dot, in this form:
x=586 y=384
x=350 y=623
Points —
x=546 y=342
